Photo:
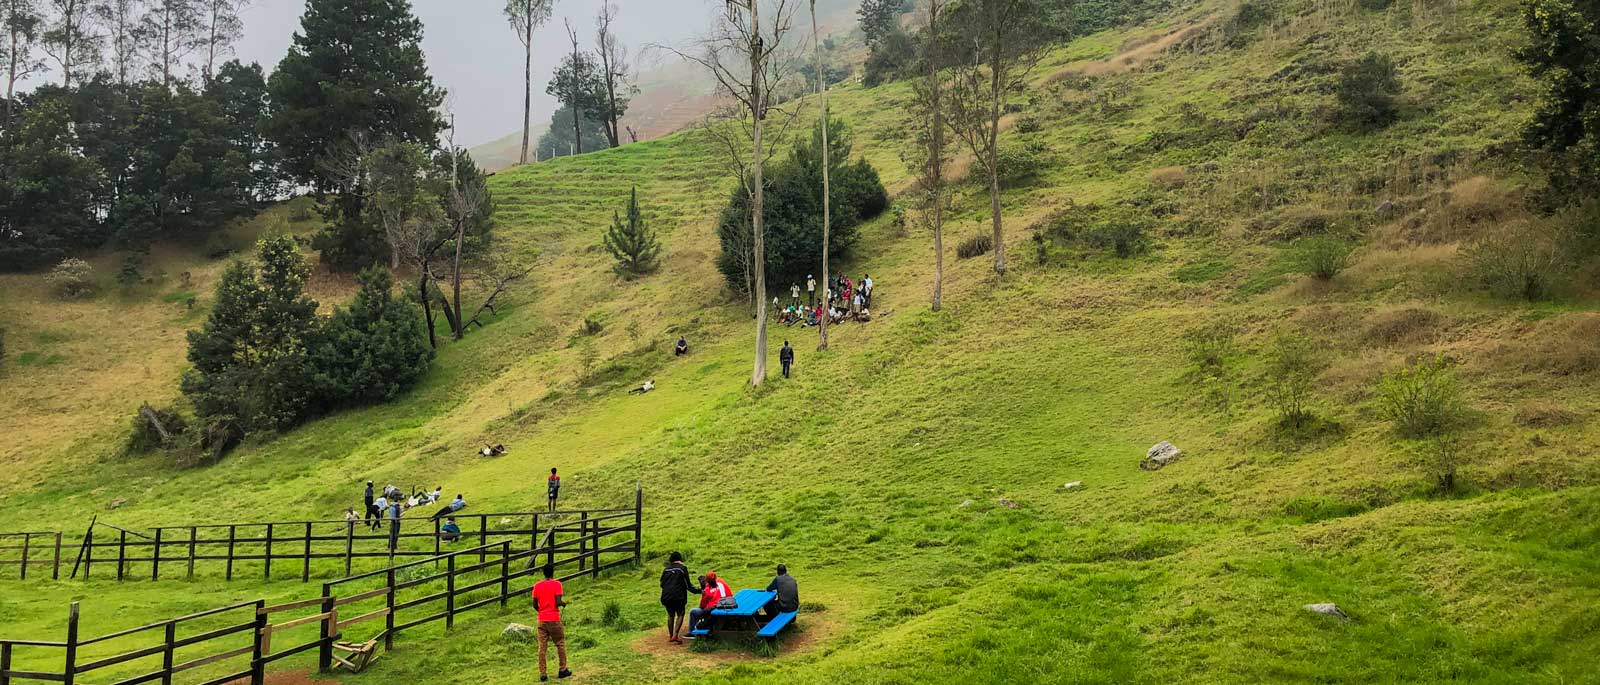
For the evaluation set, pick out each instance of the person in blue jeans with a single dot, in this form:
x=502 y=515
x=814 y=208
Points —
x=786 y=358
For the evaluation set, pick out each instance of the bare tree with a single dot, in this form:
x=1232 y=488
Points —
x=222 y=26
x=1002 y=41
x=525 y=16
x=613 y=72
x=69 y=37
x=744 y=55
x=576 y=94
x=170 y=31
x=931 y=157
x=822 y=91
x=121 y=21
x=20 y=25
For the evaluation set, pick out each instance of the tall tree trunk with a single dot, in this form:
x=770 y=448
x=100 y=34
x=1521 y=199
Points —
x=758 y=107
x=461 y=231
x=936 y=153
x=994 y=171
x=11 y=76
x=427 y=305
x=577 y=95
x=822 y=88
x=527 y=81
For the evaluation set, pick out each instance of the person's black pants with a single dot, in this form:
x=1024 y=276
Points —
x=786 y=369
x=373 y=515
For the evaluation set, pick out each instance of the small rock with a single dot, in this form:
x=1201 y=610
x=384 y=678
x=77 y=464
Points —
x=117 y=503
x=964 y=504
x=505 y=520
x=1074 y=485
x=1328 y=609
x=1160 y=455
x=517 y=631
x=1386 y=209
x=1007 y=503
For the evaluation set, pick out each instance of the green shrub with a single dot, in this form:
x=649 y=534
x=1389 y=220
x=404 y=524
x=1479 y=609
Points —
x=1293 y=364
x=1018 y=164
x=611 y=616
x=145 y=437
x=1209 y=348
x=1123 y=237
x=631 y=243
x=72 y=278
x=219 y=245
x=1442 y=457
x=1423 y=401
x=592 y=325
x=1368 y=91
x=976 y=246
x=129 y=275
x=1323 y=257
x=1526 y=260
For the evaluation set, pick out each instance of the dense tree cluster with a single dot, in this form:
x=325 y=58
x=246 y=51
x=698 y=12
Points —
x=1562 y=54
x=792 y=211
x=265 y=361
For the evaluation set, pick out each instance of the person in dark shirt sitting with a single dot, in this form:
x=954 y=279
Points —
x=788 y=590
x=682 y=348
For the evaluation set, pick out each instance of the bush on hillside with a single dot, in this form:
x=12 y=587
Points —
x=372 y=350
x=129 y=275
x=73 y=278
x=1323 y=257
x=976 y=246
x=1292 y=366
x=1018 y=163
x=1368 y=92
x=146 y=436
x=1524 y=260
x=1119 y=230
x=792 y=212
x=1211 y=352
x=1423 y=401
x=631 y=243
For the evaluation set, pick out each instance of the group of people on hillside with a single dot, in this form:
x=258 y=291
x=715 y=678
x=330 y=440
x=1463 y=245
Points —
x=842 y=300
x=388 y=507
x=677 y=583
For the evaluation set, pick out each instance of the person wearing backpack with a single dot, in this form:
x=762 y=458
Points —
x=675 y=588
x=553 y=487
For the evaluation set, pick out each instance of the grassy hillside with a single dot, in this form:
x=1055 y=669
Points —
x=878 y=472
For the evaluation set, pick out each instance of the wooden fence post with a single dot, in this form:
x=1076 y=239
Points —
x=122 y=551
x=596 y=547
x=68 y=675
x=267 y=566
x=26 y=538
x=349 y=546
x=483 y=536
x=388 y=619
x=55 y=569
x=5 y=663
x=450 y=591
x=638 y=523
x=305 y=570
x=505 y=572
x=533 y=537
x=583 y=545
x=155 y=556
x=231 y=534
x=330 y=631
x=167 y=649
x=257 y=666
x=194 y=533
x=88 y=553
x=436 y=537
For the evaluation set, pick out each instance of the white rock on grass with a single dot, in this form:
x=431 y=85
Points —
x=517 y=631
x=1328 y=609
x=964 y=504
x=1074 y=485
x=1160 y=455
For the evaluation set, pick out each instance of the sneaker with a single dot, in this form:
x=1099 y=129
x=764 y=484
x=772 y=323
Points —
x=564 y=674
x=543 y=678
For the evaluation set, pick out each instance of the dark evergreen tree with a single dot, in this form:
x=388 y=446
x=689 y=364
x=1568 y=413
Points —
x=240 y=94
x=557 y=140
x=46 y=191
x=374 y=349
x=1367 y=90
x=879 y=18
x=792 y=211
x=632 y=243
x=356 y=68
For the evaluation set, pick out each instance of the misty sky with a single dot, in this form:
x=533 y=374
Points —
x=473 y=53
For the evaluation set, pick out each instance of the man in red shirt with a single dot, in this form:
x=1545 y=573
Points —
x=548 y=600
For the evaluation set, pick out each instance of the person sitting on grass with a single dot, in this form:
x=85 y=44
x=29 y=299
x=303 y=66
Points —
x=454 y=506
x=788 y=591
x=450 y=532
x=682 y=348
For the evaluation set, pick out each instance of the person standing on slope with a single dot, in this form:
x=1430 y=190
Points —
x=811 y=291
x=675 y=589
x=373 y=513
x=553 y=487
x=786 y=358
x=548 y=598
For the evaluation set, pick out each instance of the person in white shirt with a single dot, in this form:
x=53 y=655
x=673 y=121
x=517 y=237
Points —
x=811 y=291
x=794 y=294
x=866 y=289
x=382 y=503
x=642 y=389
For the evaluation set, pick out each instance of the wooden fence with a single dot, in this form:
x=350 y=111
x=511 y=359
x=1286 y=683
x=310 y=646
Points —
x=278 y=546
x=403 y=596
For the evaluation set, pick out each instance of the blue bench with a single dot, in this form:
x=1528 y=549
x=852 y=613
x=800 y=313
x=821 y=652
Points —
x=777 y=624
x=700 y=632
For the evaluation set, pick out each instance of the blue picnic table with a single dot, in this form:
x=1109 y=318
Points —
x=742 y=619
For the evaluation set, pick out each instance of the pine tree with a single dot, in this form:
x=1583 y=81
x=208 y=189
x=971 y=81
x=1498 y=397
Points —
x=632 y=243
x=373 y=350
x=356 y=68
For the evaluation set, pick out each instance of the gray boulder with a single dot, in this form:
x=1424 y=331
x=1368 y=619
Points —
x=517 y=631
x=1160 y=455
x=1328 y=609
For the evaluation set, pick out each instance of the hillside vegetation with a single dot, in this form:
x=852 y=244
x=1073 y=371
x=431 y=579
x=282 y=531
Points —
x=913 y=476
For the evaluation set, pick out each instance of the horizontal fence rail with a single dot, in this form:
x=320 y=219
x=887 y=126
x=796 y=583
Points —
x=235 y=643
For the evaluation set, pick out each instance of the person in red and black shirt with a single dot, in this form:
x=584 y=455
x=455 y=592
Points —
x=548 y=600
x=713 y=589
x=553 y=487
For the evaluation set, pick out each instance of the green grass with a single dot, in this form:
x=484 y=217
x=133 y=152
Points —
x=855 y=471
